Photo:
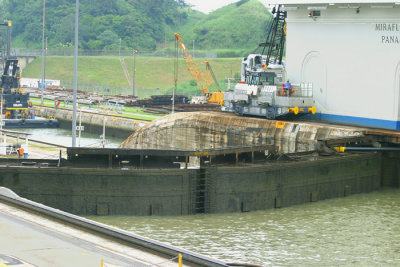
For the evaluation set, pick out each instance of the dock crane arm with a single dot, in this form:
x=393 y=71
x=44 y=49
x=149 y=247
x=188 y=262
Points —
x=8 y=24
x=191 y=65
x=275 y=42
x=204 y=83
x=213 y=80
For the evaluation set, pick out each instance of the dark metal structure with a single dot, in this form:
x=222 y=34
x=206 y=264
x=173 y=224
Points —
x=161 y=158
x=15 y=99
x=8 y=24
x=275 y=43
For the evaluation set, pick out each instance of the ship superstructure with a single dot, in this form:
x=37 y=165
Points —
x=349 y=51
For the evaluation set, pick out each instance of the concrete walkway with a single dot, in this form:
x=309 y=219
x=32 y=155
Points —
x=31 y=240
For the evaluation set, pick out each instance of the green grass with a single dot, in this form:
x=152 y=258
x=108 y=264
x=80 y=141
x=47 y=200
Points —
x=132 y=116
x=137 y=110
x=153 y=75
x=95 y=70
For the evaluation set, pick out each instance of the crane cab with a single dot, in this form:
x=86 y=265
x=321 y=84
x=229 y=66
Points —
x=261 y=91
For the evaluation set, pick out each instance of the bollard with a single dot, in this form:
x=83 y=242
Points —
x=180 y=259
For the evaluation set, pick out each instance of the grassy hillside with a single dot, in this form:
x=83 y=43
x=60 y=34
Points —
x=186 y=29
x=153 y=75
x=238 y=25
x=234 y=30
x=143 y=25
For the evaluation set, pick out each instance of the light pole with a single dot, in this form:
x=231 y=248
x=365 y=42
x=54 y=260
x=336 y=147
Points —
x=42 y=83
x=134 y=91
x=9 y=24
x=119 y=51
x=175 y=75
x=193 y=49
x=44 y=68
x=1 y=112
x=75 y=74
x=80 y=127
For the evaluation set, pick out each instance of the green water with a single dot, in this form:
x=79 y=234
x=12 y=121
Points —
x=360 y=230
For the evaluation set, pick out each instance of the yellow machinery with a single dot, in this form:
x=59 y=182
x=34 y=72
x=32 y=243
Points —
x=204 y=83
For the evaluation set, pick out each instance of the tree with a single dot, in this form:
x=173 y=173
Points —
x=65 y=29
x=33 y=32
x=141 y=24
x=108 y=38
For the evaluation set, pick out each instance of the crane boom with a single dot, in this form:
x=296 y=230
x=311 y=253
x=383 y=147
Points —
x=276 y=37
x=203 y=82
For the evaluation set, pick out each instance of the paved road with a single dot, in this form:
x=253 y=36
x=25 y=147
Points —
x=30 y=240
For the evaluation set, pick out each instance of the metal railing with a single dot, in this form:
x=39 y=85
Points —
x=298 y=90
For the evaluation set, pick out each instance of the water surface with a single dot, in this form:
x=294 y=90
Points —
x=64 y=137
x=360 y=230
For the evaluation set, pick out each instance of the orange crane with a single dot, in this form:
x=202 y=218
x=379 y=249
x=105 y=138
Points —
x=204 y=83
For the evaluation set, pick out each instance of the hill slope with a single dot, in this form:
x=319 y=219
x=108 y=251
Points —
x=143 y=25
x=153 y=75
x=238 y=25
x=103 y=24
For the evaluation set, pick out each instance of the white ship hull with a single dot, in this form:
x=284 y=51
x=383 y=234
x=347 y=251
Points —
x=351 y=55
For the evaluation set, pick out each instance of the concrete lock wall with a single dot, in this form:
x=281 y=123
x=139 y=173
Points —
x=24 y=61
x=183 y=191
x=203 y=130
x=103 y=192
x=282 y=185
x=391 y=168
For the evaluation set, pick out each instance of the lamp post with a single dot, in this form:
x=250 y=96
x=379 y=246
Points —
x=75 y=74
x=134 y=91
x=175 y=75
x=43 y=82
x=1 y=112
x=44 y=65
x=119 y=51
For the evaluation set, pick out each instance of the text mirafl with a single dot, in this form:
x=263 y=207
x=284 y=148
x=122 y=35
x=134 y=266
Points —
x=392 y=31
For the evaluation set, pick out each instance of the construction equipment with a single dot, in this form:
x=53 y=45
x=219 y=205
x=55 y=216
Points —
x=14 y=99
x=205 y=83
x=261 y=91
